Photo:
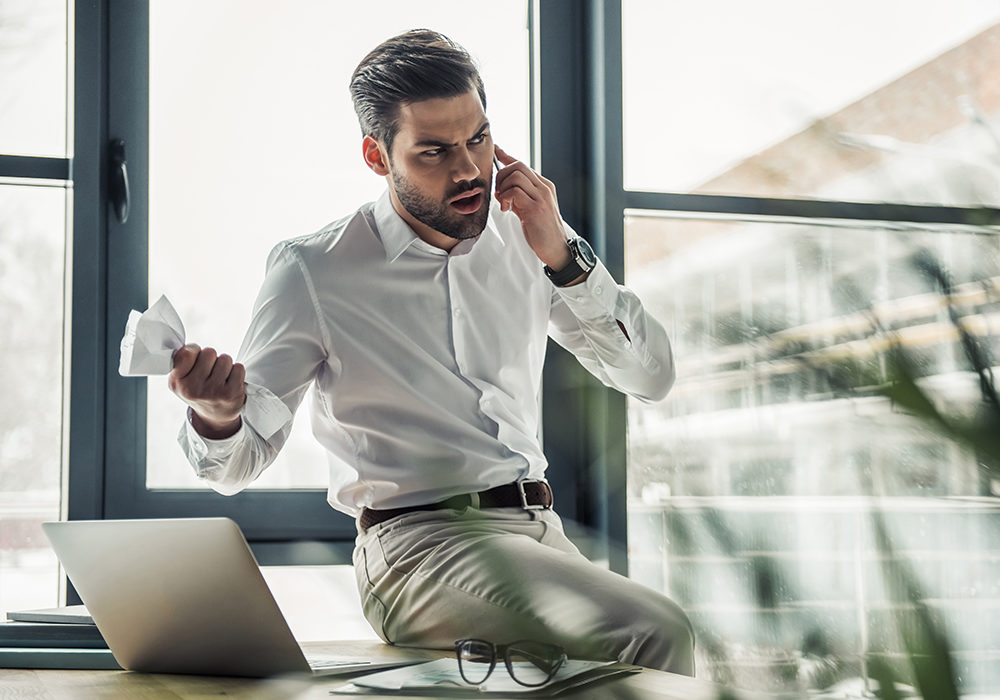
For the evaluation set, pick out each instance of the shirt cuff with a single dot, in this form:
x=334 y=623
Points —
x=265 y=412
x=204 y=447
x=595 y=297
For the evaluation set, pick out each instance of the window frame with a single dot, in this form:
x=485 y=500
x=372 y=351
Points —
x=577 y=86
x=49 y=171
x=107 y=440
x=582 y=151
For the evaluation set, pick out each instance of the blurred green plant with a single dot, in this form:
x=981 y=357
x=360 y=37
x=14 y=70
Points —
x=928 y=661
x=980 y=433
x=926 y=642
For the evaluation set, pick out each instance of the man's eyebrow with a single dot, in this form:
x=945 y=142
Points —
x=429 y=142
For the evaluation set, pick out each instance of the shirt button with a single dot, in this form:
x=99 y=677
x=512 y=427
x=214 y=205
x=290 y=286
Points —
x=456 y=313
x=598 y=289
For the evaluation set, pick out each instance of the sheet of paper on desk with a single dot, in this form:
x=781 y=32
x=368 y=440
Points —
x=442 y=678
x=147 y=349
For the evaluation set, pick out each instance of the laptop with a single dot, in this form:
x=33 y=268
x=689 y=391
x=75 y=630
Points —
x=185 y=596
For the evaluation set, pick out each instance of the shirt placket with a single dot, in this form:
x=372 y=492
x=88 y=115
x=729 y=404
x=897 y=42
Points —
x=462 y=307
x=459 y=307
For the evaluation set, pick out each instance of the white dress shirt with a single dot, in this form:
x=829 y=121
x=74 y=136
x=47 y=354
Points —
x=427 y=364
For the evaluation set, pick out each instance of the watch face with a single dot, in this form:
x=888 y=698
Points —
x=585 y=252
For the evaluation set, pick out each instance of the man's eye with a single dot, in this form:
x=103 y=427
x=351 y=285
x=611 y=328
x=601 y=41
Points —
x=433 y=153
x=478 y=139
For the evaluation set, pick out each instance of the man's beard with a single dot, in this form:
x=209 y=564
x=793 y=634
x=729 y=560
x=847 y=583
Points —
x=439 y=215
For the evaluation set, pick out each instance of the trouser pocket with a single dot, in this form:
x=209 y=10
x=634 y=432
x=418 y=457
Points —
x=371 y=605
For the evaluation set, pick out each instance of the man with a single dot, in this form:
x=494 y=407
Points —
x=421 y=319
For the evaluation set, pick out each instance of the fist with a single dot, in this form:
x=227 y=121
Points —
x=213 y=386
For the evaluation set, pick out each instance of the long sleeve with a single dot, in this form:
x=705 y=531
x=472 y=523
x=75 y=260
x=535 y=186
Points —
x=606 y=327
x=283 y=348
x=425 y=367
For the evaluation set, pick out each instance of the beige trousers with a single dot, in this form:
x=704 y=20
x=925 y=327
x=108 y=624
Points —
x=428 y=578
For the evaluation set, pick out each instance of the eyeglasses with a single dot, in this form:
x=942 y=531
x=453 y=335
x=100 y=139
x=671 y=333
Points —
x=529 y=663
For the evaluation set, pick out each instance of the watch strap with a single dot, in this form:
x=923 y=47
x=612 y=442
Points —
x=561 y=278
x=582 y=260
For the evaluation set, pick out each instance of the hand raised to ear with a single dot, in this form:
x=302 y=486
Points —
x=533 y=200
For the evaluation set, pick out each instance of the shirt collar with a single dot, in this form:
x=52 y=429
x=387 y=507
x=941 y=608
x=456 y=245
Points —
x=397 y=236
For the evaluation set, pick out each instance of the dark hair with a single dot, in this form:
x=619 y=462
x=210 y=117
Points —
x=417 y=65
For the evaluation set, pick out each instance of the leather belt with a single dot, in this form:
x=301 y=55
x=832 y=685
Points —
x=528 y=494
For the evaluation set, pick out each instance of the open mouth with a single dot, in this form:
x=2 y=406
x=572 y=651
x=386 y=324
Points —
x=469 y=202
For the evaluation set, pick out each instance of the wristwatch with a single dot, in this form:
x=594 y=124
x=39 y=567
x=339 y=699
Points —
x=582 y=260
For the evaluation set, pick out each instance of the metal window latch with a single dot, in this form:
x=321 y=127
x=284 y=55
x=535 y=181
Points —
x=118 y=188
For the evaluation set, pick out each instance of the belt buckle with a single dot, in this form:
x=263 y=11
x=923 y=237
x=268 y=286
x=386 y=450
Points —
x=524 y=496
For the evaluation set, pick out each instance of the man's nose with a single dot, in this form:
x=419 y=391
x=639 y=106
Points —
x=465 y=167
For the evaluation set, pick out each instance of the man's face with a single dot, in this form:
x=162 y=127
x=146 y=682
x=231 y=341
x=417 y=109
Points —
x=441 y=166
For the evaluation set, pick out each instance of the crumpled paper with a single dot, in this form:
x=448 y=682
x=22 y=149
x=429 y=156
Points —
x=150 y=341
x=147 y=349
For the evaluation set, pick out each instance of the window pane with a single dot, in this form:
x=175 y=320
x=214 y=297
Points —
x=32 y=249
x=851 y=100
x=253 y=139
x=33 y=77
x=750 y=485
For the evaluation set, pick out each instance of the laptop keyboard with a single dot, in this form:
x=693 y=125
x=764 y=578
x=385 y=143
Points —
x=326 y=663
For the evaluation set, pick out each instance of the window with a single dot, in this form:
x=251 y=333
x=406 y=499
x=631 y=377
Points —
x=200 y=123
x=33 y=61
x=891 y=101
x=771 y=221
x=252 y=139
x=34 y=204
x=755 y=491
x=311 y=178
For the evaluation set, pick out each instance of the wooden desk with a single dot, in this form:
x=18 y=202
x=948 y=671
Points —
x=18 y=684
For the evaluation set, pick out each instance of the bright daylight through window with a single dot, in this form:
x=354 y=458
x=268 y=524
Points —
x=261 y=87
x=823 y=477
x=760 y=487
x=33 y=235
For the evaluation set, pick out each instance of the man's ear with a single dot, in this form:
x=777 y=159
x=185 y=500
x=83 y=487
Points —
x=375 y=157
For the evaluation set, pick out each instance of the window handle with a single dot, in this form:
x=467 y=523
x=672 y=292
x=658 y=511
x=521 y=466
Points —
x=119 y=189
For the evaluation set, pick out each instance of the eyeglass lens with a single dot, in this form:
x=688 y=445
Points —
x=533 y=663
x=475 y=660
